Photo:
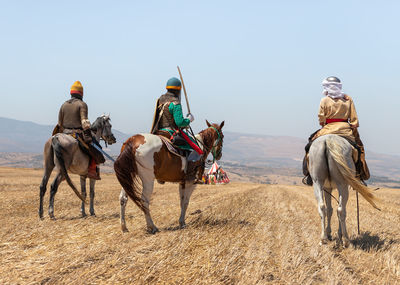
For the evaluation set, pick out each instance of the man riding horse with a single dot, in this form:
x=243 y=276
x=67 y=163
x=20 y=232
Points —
x=337 y=115
x=169 y=121
x=73 y=120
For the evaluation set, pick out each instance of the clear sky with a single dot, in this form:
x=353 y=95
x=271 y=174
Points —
x=258 y=65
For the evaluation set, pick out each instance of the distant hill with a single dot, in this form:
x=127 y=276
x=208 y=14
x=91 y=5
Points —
x=263 y=150
x=28 y=137
x=251 y=155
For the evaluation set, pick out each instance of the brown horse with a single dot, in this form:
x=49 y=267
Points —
x=144 y=157
x=63 y=151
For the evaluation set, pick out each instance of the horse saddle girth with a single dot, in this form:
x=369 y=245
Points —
x=171 y=147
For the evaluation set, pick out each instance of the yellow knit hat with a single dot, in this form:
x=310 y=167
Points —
x=77 y=88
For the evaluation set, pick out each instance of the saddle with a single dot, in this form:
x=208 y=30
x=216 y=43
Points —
x=171 y=146
x=89 y=149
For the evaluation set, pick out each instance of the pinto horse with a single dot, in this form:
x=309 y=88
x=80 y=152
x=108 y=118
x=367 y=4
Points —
x=144 y=158
x=63 y=151
x=331 y=166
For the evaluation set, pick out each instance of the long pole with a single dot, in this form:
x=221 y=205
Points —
x=187 y=102
x=358 y=215
x=184 y=89
x=103 y=152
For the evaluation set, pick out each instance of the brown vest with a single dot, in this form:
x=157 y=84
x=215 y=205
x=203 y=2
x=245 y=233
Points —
x=167 y=119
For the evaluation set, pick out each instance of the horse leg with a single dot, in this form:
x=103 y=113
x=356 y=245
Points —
x=123 y=199
x=185 y=191
x=318 y=168
x=318 y=192
x=83 y=190
x=148 y=186
x=341 y=212
x=329 y=211
x=53 y=191
x=92 y=184
x=48 y=156
x=43 y=187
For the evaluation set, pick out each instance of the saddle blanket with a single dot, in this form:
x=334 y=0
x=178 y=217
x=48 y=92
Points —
x=172 y=149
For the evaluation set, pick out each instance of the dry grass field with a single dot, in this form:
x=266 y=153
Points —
x=240 y=233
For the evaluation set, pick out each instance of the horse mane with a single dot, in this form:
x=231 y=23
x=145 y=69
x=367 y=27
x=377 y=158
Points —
x=99 y=122
x=208 y=136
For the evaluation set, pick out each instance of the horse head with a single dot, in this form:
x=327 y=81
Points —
x=213 y=139
x=102 y=126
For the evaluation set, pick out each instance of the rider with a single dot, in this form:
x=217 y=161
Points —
x=73 y=120
x=171 y=120
x=337 y=115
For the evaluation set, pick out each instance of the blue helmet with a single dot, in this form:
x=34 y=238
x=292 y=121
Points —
x=174 y=83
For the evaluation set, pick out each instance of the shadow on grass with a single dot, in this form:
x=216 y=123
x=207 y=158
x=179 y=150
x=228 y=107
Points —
x=368 y=242
x=173 y=228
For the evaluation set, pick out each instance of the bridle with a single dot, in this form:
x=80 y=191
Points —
x=217 y=145
x=102 y=126
x=216 y=148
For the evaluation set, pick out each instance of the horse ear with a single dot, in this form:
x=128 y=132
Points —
x=208 y=124
x=222 y=124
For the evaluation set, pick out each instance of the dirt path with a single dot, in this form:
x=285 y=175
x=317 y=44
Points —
x=236 y=234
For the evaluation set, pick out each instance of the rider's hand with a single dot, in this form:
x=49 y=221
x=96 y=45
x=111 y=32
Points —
x=190 y=117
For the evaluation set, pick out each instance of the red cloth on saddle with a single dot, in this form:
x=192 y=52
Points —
x=328 y=121
x=192 y=144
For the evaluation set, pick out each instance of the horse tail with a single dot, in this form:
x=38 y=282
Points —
x=336 y=152
x=127 y=174
x=56 y=145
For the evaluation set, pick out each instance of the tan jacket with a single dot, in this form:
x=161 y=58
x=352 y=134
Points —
x=74 y=115
x=337 y=109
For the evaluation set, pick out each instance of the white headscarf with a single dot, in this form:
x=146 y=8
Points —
x=332 y=89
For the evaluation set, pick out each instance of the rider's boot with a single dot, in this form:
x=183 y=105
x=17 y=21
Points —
x=93 y=170
x=193 y=163
x=307 y=180
x=362 y=166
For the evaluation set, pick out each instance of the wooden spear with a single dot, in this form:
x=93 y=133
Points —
x=184 y=90
x=358 y=215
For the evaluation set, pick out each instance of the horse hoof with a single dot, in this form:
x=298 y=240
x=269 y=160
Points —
x=323 y=241
x=52 y=218
x=153 y=230
x=330 y=238
x=182 y=226
x=93 y=214
x=346 y=243
x=124 y=229
x=84 y=215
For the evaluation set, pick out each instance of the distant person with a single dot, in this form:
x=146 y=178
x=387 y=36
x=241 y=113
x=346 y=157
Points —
x=73 y=120
x=337 y=115
x=169 y=121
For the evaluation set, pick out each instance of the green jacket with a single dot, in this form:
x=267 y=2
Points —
x=176 y=111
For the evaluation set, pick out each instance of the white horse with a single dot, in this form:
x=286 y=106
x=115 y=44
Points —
x=331 y=166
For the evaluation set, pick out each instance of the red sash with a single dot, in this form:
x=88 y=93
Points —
x=328 y=121
x=192 y=144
